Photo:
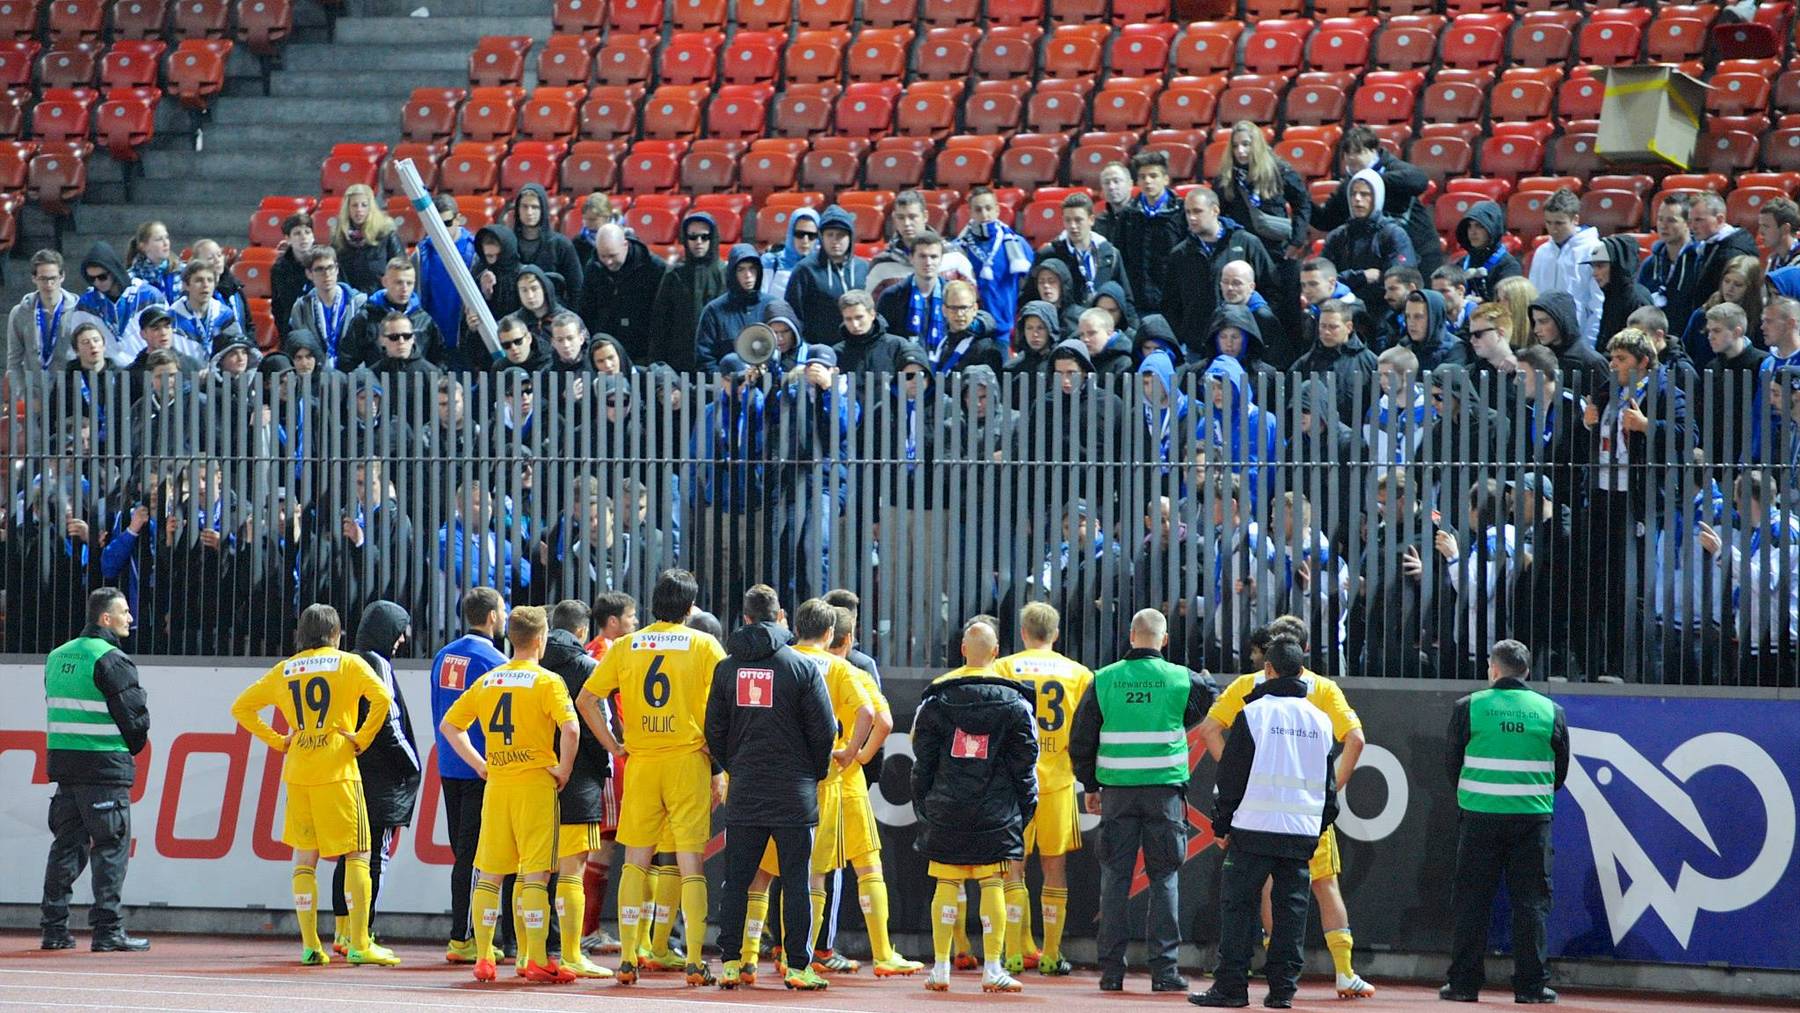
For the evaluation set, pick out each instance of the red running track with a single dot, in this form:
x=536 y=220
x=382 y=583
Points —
x=259 y=975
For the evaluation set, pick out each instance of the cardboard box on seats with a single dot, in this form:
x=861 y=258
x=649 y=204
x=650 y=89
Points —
x=1650 y=114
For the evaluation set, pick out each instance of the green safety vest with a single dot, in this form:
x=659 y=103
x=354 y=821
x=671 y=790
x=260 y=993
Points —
x=1508 y=766
x=76 y=716
x=1142 y=738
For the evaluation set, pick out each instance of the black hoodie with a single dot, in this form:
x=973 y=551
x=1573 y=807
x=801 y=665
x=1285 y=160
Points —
x=539 y=322
x=505 y=297
x=974 y=775
x=683 y=294
x=875 y=352
x=1240 y=317
x=391 y=767
x=621 y=303
x=1068 y=307
x=1494 y=258
x=1584 y=369
x=551 y=250
x=1622 y=294
x=1190 y=288
x=1027 y=360
x=580 y=800
x=769 y=725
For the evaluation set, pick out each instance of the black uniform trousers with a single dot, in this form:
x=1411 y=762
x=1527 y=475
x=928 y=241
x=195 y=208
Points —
x=1487 y=848
x=744 y=847
x=1240 y=919
x=90 y=824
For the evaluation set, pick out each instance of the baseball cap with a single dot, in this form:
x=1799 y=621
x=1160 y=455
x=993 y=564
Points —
x=820 y=355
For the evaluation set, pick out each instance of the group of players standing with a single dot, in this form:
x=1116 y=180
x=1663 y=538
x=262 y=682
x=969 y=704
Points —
x=574 y=742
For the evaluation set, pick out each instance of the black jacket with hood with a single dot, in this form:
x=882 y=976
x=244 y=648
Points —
x=1191 y=279
x=684 y=292
x=1584 y=369
x=973 y=803
x=1230 y=315
x=361 y=345
x=551 y=250
x=116 y=676
x=1127 y=323
x=769 y=725
x=1068 y=307
x=391 y=767
x=1026 y=359
x=505 y=297
x=540 y=322
x=1376 y=242
x=1352 y=369
x=1109 y=266
x=1622 y=294
x=287 y=283
x=580 y=800
x=815 y=283
x=1065 y=427
x=733 y=310
x=1405 y=188
x=622 y=303
x=1495 y=258
x=1440 y=347
x=874 y=352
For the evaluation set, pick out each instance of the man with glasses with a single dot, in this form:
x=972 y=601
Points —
x=399 y=294
x=972 y=338
x=114 y=299
x=515 y=343
x=400 y=352
x=779 y=263
x=329 y=308
x=816 y=283
x=697 y=280
x=38 y=329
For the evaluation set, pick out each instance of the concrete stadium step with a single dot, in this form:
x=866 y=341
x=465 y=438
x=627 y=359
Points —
x=241 y=139
x=321 y=115
x=184 y=219
x=404 y=32
x=448 y=8
x=351 y=57
x=385 y=86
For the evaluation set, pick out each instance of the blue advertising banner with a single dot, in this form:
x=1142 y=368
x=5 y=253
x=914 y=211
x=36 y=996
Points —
x=1675 y=836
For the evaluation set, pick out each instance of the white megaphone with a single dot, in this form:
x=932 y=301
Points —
x=755 y=344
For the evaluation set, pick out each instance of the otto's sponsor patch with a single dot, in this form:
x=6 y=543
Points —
x=755 y=687
x=454 y=672
x=965 y=746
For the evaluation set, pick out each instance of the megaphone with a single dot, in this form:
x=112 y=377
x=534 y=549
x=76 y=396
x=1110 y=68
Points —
x=756 y=344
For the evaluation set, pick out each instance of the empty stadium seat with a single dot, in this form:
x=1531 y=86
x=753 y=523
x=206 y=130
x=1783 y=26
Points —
x=1122 y=107
x=865 y=110
x=764 y=15
x=1405 y=48
x=566 y=60
x=610 y=112
x=531 y=162
x=347 y=165
x=491 y=113
x=139 y=19
x=814 y=57
x=69 y=65
x=1609 y=43
x=196 y=70
x=1509 y=157
x=879 y=54
x=576 y=17
x=1731 y=151
x=265 y=223
x=944 y=13
x=1139 y=55
x=1472 y=46
x=1205 y=52
x=738 y=111
x=672 y=112
x=263 y=26
x=1612 y=211
x=590 y=166
x=252 y=269
x=698 y=15
x=18 y=19
x=77 y=21
x=1737 y=95
x=961 y=168
x=1440 y=157
x=804 y=110
x=1314 y=104
x=1007 y=53
x=825 y=13
x=1376 y=104
x=131 y=64
x=62 y=115
x=752 y=58
x=648 y=170
x=472 y=167
x=925 y=113
x=687 y=60
x=123 y=126
x=634 y=17
x=201 y=19
x=1070 y=54
x=57 y=178
x=1273 y=52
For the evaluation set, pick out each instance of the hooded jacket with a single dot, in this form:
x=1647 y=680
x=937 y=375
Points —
x=504 y=298
x=1025 y=359
x=1173 y=427
x=1376 y=242
x=874 y=352
x=1128 y=318
x=622 y=303
x=1115 y=356
x=1564 y=268
x=580 y=800
x=1574 y=352
x=1240 y=317
x=734 y=310
x=1191 y=279
x=769 y=725
x=362 y=344
x=540 y=322
x=225 y=343
x=1144 y=237
x=1352 y=371
x=437 y=293
x=974 y=775
x=1441 y=346
x=1090 y=270
x=1002 y=259
x=1494 y=258
x=551 y=250
x=1404 y=188
x=775 y=310
x=778 y=264
x=331 y=326
x=1068 y=307
x=1622 y=295
x=981 y=435
x=684 y=293
x=391 y=767
x=815 y=284
x=1068 y=428
x=117 y=317
x=1240 y=435
x=25 y=329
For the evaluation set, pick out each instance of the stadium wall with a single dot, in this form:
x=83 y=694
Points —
x=1675 y=840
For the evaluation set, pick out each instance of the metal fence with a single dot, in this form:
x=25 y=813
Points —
x=1411 y=521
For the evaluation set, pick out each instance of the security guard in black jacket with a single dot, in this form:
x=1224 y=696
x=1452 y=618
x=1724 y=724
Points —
x=581 y=803
x=1508 y=753
x=769 y=725
x=96 y=721
x=390 y=767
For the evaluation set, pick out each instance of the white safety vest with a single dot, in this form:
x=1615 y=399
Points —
x=1286 y=791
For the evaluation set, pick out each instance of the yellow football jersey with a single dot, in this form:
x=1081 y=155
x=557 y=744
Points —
x=522 y=707
x=1320 y=691
x=317 y=693
x=847 y=697
x=1059 y=684
x=662 y=673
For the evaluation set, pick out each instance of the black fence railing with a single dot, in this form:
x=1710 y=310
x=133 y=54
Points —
x=1411 y=521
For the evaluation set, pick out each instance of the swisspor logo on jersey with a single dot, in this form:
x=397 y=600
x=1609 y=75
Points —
x=965 y=746
x=454 y=672
x=1038 y=666
x=755 y=687
x=662 y=640
x=512 y=678
x=309 y=666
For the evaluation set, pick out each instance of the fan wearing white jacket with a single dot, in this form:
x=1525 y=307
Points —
x=1561 y=265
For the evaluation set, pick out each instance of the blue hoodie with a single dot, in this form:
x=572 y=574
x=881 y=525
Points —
x=1172 y=424
x=1240 y=435
x=722 y=318
x=454 y=670
x=437 y=293
x=778 y=264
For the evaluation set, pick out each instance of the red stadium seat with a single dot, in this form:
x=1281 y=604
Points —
x=647 y=170
x=1745 y=202
x=61 y=115
x=590 y=166
x=1541 y=44
x=1673 y=40
x=1781 y=149
x=139 y=19
x=253 y=271
x=698 y=15
x=1272 y=52
x=1314 y=104
x=202 y=19
x=15 y=161
x=1737 y=95
x=830 y=169
x=1746 y=40
x=1609 y=43
x=826 y=13
x=945 y=13
x=1003 y=53
x=624 y=60
x=125 y=126
x=1612 y=211
x=425 y=157
x=687 y=61
x=549 y=118
x=925 y=113
x=1339 y=49
x=1472 y=47
x=1029 y=166
x=531 y=162
x=865 y=110
x=566 y=60
x=655 y=224
x=1405 y=48
x=1012 y=12
x=1382 y=104
x=752 y=58
x=889 y=13
x=610 y=112
x=1730 y=152
x=77 y=21
x=1311 y=159
x=813 y=57
x=263 y=26
x=1186 y=106
x=430 y=115
x=1054 y=109
x=56 y=179
x=1579 y=98
x=1440 y=157
x=18 y=19
x=491 y=113
x=69 y=65
x=1070 y=55
x=348 y=165
x=1451 y=103
x=1258 y=105
x=963 y=168
x=1510 y=157
x=672 y=112
x=131 y=64
x=711 y=166
x=878 y=59
x=894 y=169
x=1122 y=109
x=738 y=110
x=764 y=15
x=804 y=110
x=1140 y=55
x=1716 y=182
x=634 y=17
x=1205 y=52
x=577 y=17
x=1521 y=101
x=196 y=70
x=472 y=167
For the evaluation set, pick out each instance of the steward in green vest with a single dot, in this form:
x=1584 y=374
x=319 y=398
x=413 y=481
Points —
x=1129 y=747
x=1507 y=752
x=95 y=722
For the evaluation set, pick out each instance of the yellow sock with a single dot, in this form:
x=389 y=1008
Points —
x=518 y=920
x=817 y=897
x=1017 y=897
x=947 y=904
x=993 y=918
x=484 y=908
x=631 y=901
x=1056 y=908
x=356 y=898
x=754 y=914
x=534 y=898
x=306 y=906
x=570 y=909
x=665 y=889
x=961 y=934
x=871 y=892
x=1339 y=942
x=693 y=916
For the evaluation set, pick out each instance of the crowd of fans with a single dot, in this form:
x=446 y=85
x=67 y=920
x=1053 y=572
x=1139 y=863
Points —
x=1633 y=415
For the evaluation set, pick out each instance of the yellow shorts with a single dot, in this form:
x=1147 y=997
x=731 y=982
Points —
x=328 y=818
x=518 y=825
x=577 y=839
x=1326 y=862
x=828 y=838
x=669 y=795
x=862 y=839
x=1056 y=828
x=941 y=870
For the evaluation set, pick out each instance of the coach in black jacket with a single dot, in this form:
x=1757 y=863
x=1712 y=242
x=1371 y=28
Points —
x=769 y=725
x=390 y=766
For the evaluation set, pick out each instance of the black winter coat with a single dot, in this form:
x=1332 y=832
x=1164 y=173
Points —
x=1190 y=287
x=390 y=767
x=974 y=776
x=361 y=266
x=116 y=676
x=580 y=799
x=1406 y=187
x=622 y=304
x=769 y=723
x=1144 y=242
